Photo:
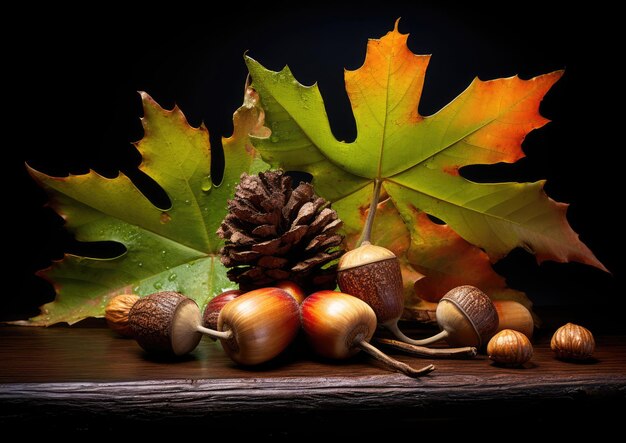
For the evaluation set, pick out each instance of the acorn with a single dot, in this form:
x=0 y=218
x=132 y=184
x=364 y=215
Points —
x=294 y=289
x=510 y=348
x=466 y=316
x=166 y=323
x=514 y=315
x=262 y=323
x=338 y=325
x=116 y=313
x=372 y=273
x=214 y=307
x=573 y=342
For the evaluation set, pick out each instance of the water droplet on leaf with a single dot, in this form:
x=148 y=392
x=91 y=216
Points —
x=172 y=277
x=158 y=285
x=207 y=184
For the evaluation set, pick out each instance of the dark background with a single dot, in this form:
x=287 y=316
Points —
x=70 y=95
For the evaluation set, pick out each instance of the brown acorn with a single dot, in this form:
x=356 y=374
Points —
x=262 y=323
x=573 y=342
x=214 y=307
x=166 y=323
x=510 y=348
x=514 y=315
x=338 y=325
x=467 y=318
x=372 y=273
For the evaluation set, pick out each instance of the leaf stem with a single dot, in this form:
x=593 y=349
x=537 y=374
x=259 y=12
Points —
x=423 y=351
x=393 y=327
x=367 y=229
x=391 y=363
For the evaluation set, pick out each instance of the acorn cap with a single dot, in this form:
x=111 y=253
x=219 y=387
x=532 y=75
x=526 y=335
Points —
x=469 y=315
x=363 y=255
x=165 y=322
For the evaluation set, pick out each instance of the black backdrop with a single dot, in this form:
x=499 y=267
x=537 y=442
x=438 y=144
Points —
x=70 y=95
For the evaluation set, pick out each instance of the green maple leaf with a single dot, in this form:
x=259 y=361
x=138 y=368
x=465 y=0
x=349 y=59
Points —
x=172 y=248
x=417 y=159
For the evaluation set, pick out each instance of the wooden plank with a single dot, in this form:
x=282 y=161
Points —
x=70 y=372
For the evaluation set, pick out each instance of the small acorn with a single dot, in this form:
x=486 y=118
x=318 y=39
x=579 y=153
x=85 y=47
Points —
x=116 y=313
x=510 y=348
x=573 y=342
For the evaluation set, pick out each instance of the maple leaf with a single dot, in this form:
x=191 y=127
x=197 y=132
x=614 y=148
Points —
x=174 y=248
x=418 y=158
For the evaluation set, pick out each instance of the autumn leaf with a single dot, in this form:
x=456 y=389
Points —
x=172 y=248
x=418 y=158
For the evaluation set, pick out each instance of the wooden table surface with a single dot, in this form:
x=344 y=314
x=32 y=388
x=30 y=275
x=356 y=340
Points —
x=63 y=376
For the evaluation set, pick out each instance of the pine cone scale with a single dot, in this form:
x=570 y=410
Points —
x=268 y=247
x=264 y=231
x=294 y=235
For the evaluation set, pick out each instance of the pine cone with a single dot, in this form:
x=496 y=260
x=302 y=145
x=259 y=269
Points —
x=274 y=232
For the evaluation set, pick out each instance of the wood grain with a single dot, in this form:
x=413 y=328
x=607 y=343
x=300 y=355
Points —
x=90 y=373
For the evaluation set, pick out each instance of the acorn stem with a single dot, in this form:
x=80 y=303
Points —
x=215 y=334
x=367 y=229
x=467 y=351
x=392 y=363
x=393 y=327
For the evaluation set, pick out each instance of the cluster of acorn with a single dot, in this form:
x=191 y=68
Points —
x=465 y=315
x=256 y=326
x=253 y=327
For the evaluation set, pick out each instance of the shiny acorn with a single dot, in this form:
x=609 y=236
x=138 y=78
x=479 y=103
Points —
x=293 y=289
x=261 y=324
x=338 y=325
x=214 y=307
x=510 y=348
